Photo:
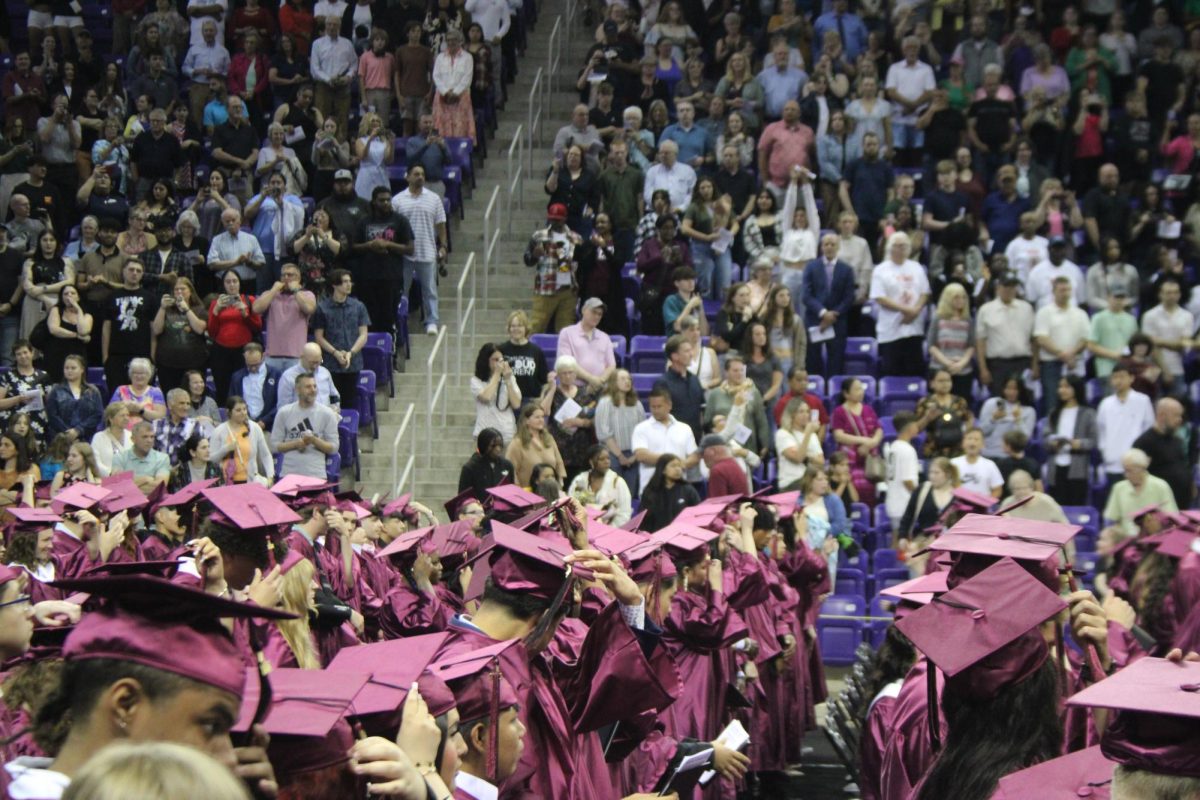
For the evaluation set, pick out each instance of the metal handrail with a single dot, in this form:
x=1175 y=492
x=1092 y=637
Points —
x=435 y=390
x=553 y=55
x=465 y=313
x=534 y=128
x=516 y=187
x=491 y=234
x=400 y=480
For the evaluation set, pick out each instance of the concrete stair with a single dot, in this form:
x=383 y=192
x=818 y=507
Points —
x=435 y=474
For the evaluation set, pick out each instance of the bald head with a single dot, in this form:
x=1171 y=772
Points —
x=1168 y=414
x=310 y=356
x=1020 y=484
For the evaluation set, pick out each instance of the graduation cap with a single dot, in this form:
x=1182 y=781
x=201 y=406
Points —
x=1084 y=773
x=522 y=562
x=30 y=519
x=188 y=494
x=614 y=541
x=398 y=506
x=1027 y=539
x=125 y=495
x=249 y=506
x=1136 y=516
x=158 y=569
x=786 y=502
x=79 y=497
x=409 y=544
x=164 y=625
x=510 y=497
x=635 y=522
x=681 y=539
x=393 y=667
x=480 y=691
x=1178 y=542
x=454 y=541
x=971 y=502
x=304 y=702
x=455 y=505
x=983 y=634
x=920 y=591
x=1157 y=727
x=294 y=485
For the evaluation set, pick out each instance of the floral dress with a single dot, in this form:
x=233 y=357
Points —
x=573 y=445
x=14 y=383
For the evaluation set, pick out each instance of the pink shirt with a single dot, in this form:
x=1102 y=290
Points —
x=785 y=147
x=594 y=352
x=1179 y=152
x=287 y=326
x=376 y=72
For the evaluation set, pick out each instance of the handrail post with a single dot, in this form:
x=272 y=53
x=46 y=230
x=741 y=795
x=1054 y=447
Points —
x=491 y=235
x=400 y=479
x=434 y=395
x=464 y=312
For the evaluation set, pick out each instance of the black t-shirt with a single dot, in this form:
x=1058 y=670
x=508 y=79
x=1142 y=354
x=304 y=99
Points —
x=11 y=261
x=529 y=367
x=345 y=214
x=1111 y=212
x=605 y=119
x=1162 y=87
x=131 y=311
x=108 y=206
x=944 y=134
x=945 y=207
x=44 y=200
x=1008 y=465
x=993 y=121
x=158 y=158
x=739 y=186
x=239 y=142
x=372 y=267
x=1169 y=461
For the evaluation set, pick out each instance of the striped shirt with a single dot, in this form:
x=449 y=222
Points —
x=424 y=212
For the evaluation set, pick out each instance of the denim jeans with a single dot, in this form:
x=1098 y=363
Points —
x=426 y=275
x=281 y=362
x=713 y=269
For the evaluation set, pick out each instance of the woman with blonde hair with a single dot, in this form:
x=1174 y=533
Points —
x=298 y=592
x=80 y=467
x=951 y=339
x=798 y=443
x=375 y=149
x=154 y=771
x=618 y=412
x=741 y=90
x=533 y=445
x=527 y=359
x=928 y=502
x=705 y=364
x=113 y=439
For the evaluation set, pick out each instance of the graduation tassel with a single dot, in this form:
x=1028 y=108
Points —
x=931 y=705
x=493 y=751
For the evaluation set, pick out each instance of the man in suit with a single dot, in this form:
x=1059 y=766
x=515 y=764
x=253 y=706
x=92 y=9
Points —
x=258 y=385
x=827 y=293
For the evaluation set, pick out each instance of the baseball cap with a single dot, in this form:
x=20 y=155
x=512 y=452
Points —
x=593 y=302
x=343 y=175
x=556 y=212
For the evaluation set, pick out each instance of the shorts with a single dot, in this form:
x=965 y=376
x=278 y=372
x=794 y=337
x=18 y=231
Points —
x=61 y=21
x=39 y=19
x=412 y=107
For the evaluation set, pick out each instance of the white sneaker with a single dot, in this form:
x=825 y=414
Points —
x=431 y=329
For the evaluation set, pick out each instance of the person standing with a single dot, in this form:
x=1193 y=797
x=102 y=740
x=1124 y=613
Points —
x=1004 y=336
x=1170 y=327
x=1121 y=418
x=426 y=216
x=826 y=297
x=340 y=329
x=1061 y=330
x=620 y=190
x=334 y=65
x=305 y=431
x=127 y=330
x=286 y=308
x=381 y=238
x=900 y=287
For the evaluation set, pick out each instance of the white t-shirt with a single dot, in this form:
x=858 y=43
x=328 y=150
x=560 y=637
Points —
x=1039 y=289
x=904 y=284
x=911 y=83
x=1159 y=324
x=1024 y=254
x=789 y=471
x=673 y=437
x=983 y=476
x=197 y=23
x=902 y=465
x=1065 y=328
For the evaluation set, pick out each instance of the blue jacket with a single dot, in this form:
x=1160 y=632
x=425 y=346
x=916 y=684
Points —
x=64 y=412
x=270 y=392
x=817 y=294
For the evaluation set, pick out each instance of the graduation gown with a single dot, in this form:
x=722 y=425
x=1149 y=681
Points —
x=609 y=679
x=768 y=624
x=407 y=611
x=699 y=626
x=908 y=753
x=877 y=728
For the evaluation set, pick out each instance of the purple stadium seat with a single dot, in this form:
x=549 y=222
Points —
x=646 y=353
x=835 y=388
x=644 y=382
x=890 y=577
x=348 y=441
x=402 y=327
x=1194 y=396
x=1094 y=391
x=1084 y=516
x=366 y=401
x=877 y=628
x=840 y=638
x=850 y=581
x=377 y=357
x=333 y=467
x=548 y=342
x=885 y=558
x=619 y=348
x=816 y=385
x=859 y=515
x=862 y=355
x=899 y=393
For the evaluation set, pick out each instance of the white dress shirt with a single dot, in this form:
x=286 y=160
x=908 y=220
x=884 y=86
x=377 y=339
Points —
x=679 y=181
x=333 y=58
x=1119 y=424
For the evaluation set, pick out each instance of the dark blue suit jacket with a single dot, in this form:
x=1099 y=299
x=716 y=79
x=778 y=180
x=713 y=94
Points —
x=817 y=294
x=270 y=392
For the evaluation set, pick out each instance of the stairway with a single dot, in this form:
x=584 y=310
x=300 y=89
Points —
x=510 y=286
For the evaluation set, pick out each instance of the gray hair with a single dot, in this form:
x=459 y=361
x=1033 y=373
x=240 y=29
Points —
x=90 y=218
x=566 y=362
x=632 y=111
x=189 y=217
x=1135 y=458
x=178 y=394
x=273 y=127
x=141 y=363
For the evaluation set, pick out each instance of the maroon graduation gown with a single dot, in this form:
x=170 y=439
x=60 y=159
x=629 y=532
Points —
x=908 y=753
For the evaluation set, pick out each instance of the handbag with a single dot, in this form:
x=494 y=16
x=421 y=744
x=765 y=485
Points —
x=874 y=467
